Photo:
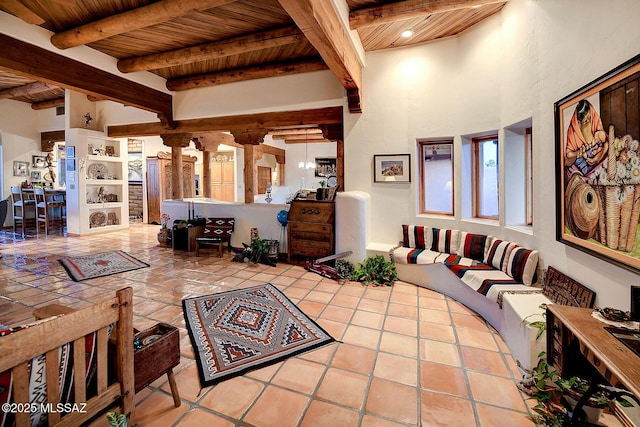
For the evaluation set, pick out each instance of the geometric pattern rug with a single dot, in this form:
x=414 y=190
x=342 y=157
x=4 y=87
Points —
x=98 y=265
x=237 y=331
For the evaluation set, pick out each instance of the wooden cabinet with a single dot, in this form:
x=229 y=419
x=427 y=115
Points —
x=159 y=185
x=311 y=229
x=97 y=197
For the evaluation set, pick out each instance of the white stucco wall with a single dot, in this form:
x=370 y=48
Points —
x=508 y=69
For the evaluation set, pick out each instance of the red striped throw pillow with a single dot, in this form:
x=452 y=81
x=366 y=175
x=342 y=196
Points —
x=415 y=236
x=474 y=246
x=498 y=253
x=445 y=240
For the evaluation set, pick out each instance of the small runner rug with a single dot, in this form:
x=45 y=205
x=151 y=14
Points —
x=97 y=265
x=237 y=331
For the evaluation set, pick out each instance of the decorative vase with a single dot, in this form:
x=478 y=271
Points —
x=164 y=237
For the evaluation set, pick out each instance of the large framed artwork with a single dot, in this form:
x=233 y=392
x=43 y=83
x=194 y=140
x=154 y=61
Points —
x=598 y=167
x=392 y=168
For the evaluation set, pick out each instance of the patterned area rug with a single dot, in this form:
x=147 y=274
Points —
x=98 y=265
x=237 y=331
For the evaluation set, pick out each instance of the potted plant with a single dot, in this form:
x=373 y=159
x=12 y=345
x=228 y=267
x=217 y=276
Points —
x=164 y=235
x=322 y=192
x=374 y=270
x=256 y=252
x=562 y=401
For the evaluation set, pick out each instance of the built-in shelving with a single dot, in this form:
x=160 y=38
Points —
x=97 y=194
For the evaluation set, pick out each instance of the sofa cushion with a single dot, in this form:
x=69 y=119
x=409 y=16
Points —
x=416 y=236
x=405 y=255
x=445 y=240
x=522 y=265
x=491 y=282
x=474 y=246
x=498 y=253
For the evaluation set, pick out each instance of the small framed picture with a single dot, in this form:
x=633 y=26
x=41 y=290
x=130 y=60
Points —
x=109 y=150
x=38 y=161
x=71 y=152
x=20 y=168
x=36 y=176
x=392 y=168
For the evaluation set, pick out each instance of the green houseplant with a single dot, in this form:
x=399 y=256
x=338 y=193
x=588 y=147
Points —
x=373 y=270
x=558 y=397
x=116 y=419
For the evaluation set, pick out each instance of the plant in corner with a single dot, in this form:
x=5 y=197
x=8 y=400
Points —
x=374 y=270
x=558 y=397
x=256 y=252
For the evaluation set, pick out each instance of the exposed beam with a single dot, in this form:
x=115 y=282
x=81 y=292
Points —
x=311 y=136
x=294 y=131
x=18 y=9
x=320 y=116
x=35 y=62
x=28 y=89
x=242 y=74
x=323 y=28
x=142 y=17
x=305 y=141
x=43 y=105
x=213 y=50
x=408 y=9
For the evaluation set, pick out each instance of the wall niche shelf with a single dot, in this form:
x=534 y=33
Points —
x=97 y=193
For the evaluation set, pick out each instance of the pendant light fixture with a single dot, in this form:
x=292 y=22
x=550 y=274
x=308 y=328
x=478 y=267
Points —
x=306 y=163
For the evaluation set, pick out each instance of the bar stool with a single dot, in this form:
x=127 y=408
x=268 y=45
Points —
x=45 y=211
x=22 y=206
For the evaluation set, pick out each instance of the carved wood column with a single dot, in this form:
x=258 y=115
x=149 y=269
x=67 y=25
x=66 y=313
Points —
x=250 y=175
x=177 y=142
x=205 y=182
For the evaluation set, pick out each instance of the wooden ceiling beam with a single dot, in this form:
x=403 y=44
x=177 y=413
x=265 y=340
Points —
x=408 y=9
x=35 y=62
x=320 y=116
x=294 y=131
x=242 y=74
x=323 y=28
x=43 y=105
x=311 y=136
x=18 y=9
x=305 y=141
x=134 y=19
x=25 y=90
x=213 y=50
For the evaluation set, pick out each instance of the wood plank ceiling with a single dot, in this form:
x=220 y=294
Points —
x=199 y=43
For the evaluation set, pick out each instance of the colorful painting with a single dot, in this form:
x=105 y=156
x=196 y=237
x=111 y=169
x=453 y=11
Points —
x=598 y=154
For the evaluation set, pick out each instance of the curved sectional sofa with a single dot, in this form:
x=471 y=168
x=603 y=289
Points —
x=493 y=277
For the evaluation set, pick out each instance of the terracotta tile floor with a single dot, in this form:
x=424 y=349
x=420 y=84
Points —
x=406 y=356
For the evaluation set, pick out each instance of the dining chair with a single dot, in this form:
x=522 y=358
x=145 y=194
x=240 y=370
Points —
x=46 y=209
x=217 y=232
x=23 y=207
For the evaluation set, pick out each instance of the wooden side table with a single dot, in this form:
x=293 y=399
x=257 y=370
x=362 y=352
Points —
x=159 y=354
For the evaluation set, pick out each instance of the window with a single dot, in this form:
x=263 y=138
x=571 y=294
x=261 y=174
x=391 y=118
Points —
x=436 y=176
x=485 y=177
x=528 y=141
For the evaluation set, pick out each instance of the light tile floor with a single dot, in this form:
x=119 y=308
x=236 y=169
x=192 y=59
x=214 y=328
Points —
x=406 y=356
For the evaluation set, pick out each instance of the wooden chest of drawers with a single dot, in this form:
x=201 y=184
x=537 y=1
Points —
x=311 y=228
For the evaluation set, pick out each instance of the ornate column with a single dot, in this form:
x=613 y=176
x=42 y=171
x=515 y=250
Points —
x=177 y=141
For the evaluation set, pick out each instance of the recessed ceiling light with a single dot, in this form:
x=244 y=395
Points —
x=407 y=33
